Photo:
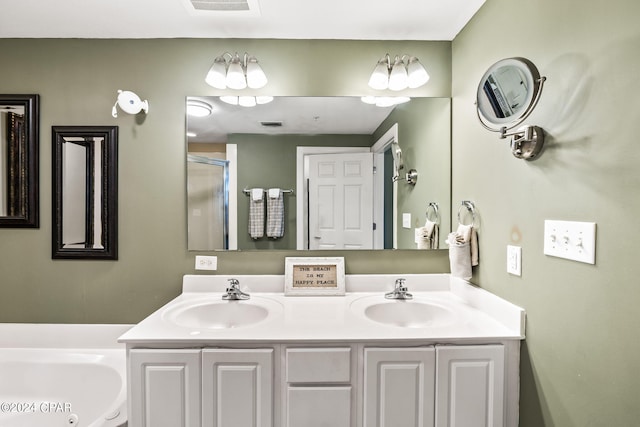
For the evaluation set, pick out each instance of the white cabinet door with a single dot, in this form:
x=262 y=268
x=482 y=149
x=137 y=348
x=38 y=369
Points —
x=237 y=388
x=164 y=388
x=399 y=387
x=470 y=386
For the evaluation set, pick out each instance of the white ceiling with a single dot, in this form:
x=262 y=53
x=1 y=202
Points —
x=299 y=115
x=283 y=19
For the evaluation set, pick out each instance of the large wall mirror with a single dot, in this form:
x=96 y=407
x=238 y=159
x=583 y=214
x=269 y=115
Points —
x=85 y=192
x=290 y=143
x=19 y=161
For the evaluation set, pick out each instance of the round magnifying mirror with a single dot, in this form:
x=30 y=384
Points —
x=507 y=93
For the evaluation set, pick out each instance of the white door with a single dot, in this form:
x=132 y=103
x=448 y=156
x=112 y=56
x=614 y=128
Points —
x=164 y=388
x=399 y=387
x=237 y=388
x=341 y=201
x=470 y=386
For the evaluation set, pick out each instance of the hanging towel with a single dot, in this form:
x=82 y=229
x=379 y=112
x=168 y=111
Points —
x=459 y=256
x=275 y=213
x=427 y=237
x=256 y=213
x=468 y=234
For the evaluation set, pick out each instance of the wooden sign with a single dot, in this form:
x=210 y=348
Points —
x=314 y=276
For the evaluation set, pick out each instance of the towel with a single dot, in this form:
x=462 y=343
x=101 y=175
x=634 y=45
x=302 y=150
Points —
x=469 y=235
x=459 y=256
x=275 y=213
x=256 y=213
x=427 y=237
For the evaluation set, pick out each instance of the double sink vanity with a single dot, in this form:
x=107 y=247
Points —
x=449 y=356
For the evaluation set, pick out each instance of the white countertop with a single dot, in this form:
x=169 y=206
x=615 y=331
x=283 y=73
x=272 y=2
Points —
x=479 y=315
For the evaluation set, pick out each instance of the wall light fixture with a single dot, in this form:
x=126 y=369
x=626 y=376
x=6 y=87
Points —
x=130 y=103
x=236 y=72
x=398 y=74
x=246 y=101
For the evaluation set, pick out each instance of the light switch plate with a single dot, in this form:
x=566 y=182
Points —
x=514 y=260
x=406 y=220
x=571 y=240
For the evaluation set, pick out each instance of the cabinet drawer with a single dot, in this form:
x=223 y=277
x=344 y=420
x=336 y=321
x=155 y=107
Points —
x=318 y=365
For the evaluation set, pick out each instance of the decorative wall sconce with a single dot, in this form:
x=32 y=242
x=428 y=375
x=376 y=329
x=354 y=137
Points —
x=507 y=94
x=130 y=103
x=404 y=72
x=236 y=72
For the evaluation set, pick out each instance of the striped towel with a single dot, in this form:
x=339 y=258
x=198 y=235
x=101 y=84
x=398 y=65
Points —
x=256 y=213
x=275 y=213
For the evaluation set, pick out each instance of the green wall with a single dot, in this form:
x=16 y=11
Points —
x=580 y=364
x=260 y=164
x=424 y=135
x=78 y=79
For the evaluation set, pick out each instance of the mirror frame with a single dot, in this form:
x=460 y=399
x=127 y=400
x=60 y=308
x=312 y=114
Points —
x=29 y=164
x=109 y=207
x=534 y=82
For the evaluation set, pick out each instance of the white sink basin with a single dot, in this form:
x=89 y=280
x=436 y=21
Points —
x=221 y=314
x=414 y=313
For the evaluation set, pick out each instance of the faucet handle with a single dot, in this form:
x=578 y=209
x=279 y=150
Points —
x=233 y=283
x=400 y=284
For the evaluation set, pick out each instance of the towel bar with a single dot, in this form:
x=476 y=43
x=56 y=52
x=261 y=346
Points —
x=471 y=208
x=247 y=191
x=434 y=207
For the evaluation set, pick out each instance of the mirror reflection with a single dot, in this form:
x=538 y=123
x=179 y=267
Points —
x=507 y=91
x=19 y=161
x=292 y=143
x=84 y=191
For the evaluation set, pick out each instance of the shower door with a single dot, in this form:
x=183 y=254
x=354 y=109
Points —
x=207 y=203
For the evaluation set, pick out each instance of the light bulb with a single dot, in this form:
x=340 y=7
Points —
x=379 y=79
x=247 y=101
x=233 y=100
x=417 y=73
x=217 y=74
x=235 y=74
x=255 y=76
x=398 y=79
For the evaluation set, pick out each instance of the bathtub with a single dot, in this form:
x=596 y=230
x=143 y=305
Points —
x=62 y=375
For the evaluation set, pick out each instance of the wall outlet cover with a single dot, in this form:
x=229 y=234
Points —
x=206 y=262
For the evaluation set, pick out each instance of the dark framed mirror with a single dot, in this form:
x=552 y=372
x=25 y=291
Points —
x=19 y=161
x=85 y=192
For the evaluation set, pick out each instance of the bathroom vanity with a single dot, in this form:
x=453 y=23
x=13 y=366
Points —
x=448 y=357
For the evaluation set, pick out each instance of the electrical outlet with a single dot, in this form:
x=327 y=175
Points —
x=571 y=240
x=206 y=262
x=514 y=260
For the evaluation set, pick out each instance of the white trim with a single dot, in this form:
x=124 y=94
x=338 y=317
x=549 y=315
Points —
x=381 y=145
x=232 y=158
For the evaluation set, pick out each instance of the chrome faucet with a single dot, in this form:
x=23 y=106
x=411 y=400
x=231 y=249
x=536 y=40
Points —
x=233 y=291
x=399 y=292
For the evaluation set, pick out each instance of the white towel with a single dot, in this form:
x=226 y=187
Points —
x=469 y=235
x=256 y=213
x=275 y=213
x=427 y=237
x=459 y=256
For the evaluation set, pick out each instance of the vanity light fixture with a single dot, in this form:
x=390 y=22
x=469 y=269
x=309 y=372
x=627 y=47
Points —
x=385 y=101
x=197 y=108
x=236 y=72
x=398 y=74
x=130 y=103
x=246 y=101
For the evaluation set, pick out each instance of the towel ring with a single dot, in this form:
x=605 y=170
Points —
x=433 y=206
x=469 y=207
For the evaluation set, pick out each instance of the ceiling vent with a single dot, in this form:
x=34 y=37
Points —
x=273 y=124
x=226 y=7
